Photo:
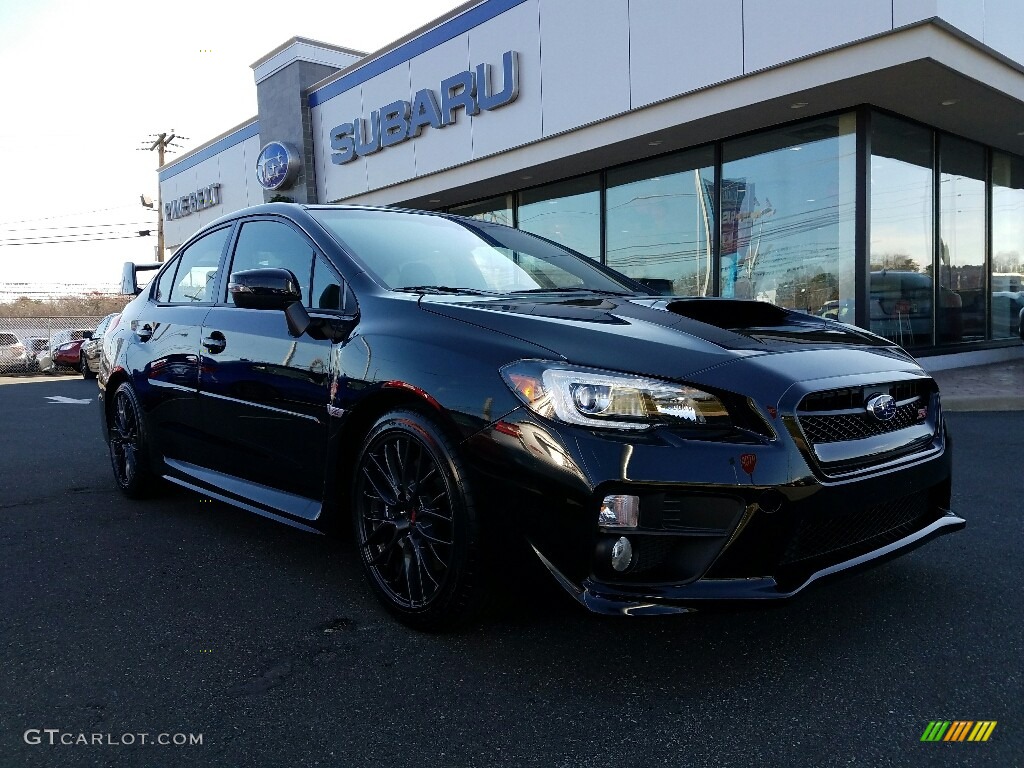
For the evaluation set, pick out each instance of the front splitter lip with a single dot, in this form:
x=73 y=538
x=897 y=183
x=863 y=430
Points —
x=649 y=600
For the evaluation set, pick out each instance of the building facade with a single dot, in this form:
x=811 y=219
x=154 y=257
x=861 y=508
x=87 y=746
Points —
x=863 y=161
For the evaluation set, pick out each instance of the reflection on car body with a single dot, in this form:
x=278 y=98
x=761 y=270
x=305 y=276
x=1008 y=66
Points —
x=89 y=351
x=447 y=388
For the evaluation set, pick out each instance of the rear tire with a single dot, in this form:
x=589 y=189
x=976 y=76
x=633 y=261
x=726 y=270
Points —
x=415 y=523
x=128 y=444
x=84 y=365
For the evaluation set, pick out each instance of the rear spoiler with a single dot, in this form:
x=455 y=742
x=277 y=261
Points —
x=129 y=277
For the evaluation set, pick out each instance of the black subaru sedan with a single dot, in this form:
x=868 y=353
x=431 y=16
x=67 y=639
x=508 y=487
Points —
x=447 y=388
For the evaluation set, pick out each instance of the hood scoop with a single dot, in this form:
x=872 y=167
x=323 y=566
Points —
x=767 y=323
x=732 y=314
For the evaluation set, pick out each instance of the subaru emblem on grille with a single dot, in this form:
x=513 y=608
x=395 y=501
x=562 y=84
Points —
x=882 y=407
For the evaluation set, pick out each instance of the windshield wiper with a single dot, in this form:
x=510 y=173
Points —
x=575 y=289
x=442 y=289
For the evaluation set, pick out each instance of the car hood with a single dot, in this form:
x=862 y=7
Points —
x=666 y=337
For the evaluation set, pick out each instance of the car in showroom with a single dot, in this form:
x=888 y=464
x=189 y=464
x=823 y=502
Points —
x=89 y=351
x=448 y=388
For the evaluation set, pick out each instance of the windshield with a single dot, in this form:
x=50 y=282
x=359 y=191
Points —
x=409 y=251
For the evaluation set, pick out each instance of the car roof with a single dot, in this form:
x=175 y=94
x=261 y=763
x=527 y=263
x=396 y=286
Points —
x=302 y=211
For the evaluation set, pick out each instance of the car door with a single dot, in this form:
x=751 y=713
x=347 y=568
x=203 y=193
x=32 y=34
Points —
x=264 y=393
x=164 y=356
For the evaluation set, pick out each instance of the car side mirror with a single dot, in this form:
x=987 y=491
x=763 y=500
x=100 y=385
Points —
x=264 y=289
x=336 y=328
x=130 y=277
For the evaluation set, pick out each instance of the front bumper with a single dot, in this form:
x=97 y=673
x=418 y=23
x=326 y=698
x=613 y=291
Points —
x=641 y=600
x=725 y=521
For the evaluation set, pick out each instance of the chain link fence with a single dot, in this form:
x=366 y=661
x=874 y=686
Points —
x=27 y=343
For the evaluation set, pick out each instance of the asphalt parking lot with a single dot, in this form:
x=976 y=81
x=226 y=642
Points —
x=184 y=616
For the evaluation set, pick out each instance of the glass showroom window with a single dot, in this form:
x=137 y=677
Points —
x=787 y=217
x=494 y=209
x=1007 y=244
x=900 y=252
x=961 y=315
x=568 y=212
x=659 y=220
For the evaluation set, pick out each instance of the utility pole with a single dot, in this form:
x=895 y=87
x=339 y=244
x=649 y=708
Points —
x=161 y=144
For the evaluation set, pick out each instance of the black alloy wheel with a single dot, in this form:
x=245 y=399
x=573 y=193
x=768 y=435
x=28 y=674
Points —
x=86 y=371
x=415 y=523
x=126 y=437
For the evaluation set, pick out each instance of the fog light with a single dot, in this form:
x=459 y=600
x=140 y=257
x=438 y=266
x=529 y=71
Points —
x=619 y=512
x=622 y=554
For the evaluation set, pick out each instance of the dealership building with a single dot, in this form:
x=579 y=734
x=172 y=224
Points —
x=857 y=160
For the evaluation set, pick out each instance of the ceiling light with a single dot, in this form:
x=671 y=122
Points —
x=798 y=105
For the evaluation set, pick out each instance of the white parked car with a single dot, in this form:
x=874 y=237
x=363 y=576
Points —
x=12 y=353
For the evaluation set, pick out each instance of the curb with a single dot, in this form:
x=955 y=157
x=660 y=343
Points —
x=954 y=404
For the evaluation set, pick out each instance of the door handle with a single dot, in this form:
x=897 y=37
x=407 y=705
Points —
x=215 y=342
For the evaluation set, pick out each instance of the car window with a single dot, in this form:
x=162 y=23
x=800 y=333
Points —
x=408 y=250
x=8 y=338
x=166 y=282
x=196 y=276
x=329 y=290
x=263 y=244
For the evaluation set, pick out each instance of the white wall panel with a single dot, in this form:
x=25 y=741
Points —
x=1004 y=27
x=676 y=47
x=776 y=31
x=396 y=163
x=969 y=15
x=339 y=181
x=250 y=153
x=233 y=168
x=584 y=61
x=519 y=122
x=906 y=12
x=232 y=180
x=453 y=144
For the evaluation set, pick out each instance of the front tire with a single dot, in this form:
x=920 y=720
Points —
x=415 y=523
x=87 y=373
x=128 y=443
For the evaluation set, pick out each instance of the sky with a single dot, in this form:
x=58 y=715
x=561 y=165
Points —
x=85 y=85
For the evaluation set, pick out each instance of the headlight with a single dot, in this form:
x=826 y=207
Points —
x=596 y=398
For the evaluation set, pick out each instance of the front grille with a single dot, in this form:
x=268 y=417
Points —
x=825 y=533
x=843 y=436
x=856 y=426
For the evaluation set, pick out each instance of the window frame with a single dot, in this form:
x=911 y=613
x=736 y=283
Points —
x=175 y=263
x=316 y=251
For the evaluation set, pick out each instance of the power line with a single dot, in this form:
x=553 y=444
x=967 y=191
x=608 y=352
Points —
x=58 y=238
x=66 y=215
x=80 y=226
x=58 y=242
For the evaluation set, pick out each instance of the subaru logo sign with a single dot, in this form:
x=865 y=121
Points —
x=277 y=166
x=882 y=407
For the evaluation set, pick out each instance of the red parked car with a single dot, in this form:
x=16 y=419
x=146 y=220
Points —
x=69 y=353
